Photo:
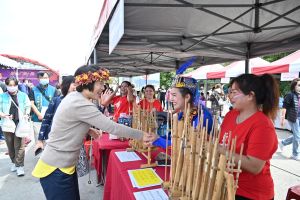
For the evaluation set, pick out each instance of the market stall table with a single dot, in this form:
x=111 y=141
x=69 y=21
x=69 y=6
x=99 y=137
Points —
x=101 y=149
x=293 y=193
x=118 y=185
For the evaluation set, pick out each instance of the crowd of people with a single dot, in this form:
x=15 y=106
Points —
x=84 y=104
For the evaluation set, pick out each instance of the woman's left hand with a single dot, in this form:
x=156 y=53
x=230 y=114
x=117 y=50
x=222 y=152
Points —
x=94 y=133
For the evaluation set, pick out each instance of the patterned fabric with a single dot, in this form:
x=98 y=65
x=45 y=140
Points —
x=185 y=82
x=82 y=166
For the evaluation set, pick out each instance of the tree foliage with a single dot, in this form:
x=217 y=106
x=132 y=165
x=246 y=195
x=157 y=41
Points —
x=166 y=79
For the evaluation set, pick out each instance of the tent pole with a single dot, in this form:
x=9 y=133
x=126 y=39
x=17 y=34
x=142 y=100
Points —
x=146 y=79
x=95 y=56
x=247 y=58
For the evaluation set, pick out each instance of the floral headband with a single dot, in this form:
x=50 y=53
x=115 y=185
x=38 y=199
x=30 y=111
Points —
x=89 y=77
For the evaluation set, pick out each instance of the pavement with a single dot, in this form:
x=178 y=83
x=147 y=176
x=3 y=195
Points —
x=28 y=187
x=285 y=172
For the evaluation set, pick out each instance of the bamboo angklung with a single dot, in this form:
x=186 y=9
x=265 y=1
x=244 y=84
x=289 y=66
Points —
x=145 y=121
x=198 y=170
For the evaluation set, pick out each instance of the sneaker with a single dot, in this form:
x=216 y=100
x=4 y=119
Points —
x=20 y=171
x=13 y=168
x=280 y=145
x=295 y=157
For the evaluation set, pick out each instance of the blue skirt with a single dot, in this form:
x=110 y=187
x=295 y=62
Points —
x=60 y=186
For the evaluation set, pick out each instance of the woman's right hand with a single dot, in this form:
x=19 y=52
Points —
x=149 y=138
x=38 y=145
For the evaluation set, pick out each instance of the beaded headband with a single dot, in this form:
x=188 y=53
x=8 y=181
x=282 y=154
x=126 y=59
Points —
x=185 y=82
x=89 y=77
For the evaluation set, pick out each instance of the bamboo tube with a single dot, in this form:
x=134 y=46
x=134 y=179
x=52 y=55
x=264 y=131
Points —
x=213 y=171
x=206 y=172
x=219 y=178
x=167 y=138
x=239 y=167
x=230 y=186
x=187 y=149
x=180 y=156
x=192 y=164
x=201 y=160
x=174 y=146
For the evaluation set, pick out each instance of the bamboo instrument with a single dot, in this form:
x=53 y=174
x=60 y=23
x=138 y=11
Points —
x=186 y=150
x=230 y=186
x=174 y=150
x=219 y=178
x=239 y=167
x=201 y=160
x=192 y=164
x=213 y=171
x=180 y=158
x=206 y=171
x=167 y=139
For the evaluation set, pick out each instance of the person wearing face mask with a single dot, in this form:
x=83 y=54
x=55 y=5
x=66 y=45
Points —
x=40 y=97
x=73 y=119
x=291 y=111
x=10 y=102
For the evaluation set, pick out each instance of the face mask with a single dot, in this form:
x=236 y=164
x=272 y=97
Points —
x=44 y=81
x=12 y=89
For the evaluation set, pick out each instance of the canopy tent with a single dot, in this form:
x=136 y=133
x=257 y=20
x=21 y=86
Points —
x=161 y=34
x=236 y=68
x=201 y=72
x=25 y=68
x=290 y=63
x=8 y=63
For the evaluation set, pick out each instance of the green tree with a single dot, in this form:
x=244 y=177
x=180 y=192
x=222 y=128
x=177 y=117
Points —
x=274 y=57
x=166 y=79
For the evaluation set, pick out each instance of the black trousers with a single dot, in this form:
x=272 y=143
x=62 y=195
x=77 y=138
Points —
x=60 y=186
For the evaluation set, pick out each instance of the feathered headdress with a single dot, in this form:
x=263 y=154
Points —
x=187 y=82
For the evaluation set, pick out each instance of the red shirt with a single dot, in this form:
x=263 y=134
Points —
x=145 y=105
x=260 y=141
x=121 y=105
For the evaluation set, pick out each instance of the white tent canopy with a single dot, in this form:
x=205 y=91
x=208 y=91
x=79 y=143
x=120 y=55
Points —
x=287 y=64
x=236 y=68
x=201 y=72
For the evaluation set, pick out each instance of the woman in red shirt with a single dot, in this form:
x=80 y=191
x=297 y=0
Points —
x=255 y=103
x=149 y=102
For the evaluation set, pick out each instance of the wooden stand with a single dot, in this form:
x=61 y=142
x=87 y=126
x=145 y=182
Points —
x=145 y=121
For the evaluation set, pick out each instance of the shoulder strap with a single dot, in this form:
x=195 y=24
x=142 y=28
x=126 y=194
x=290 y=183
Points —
x=43 y=93
x=14 y=103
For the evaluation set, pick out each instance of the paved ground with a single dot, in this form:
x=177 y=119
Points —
x=28 y=187
x=285 y=171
